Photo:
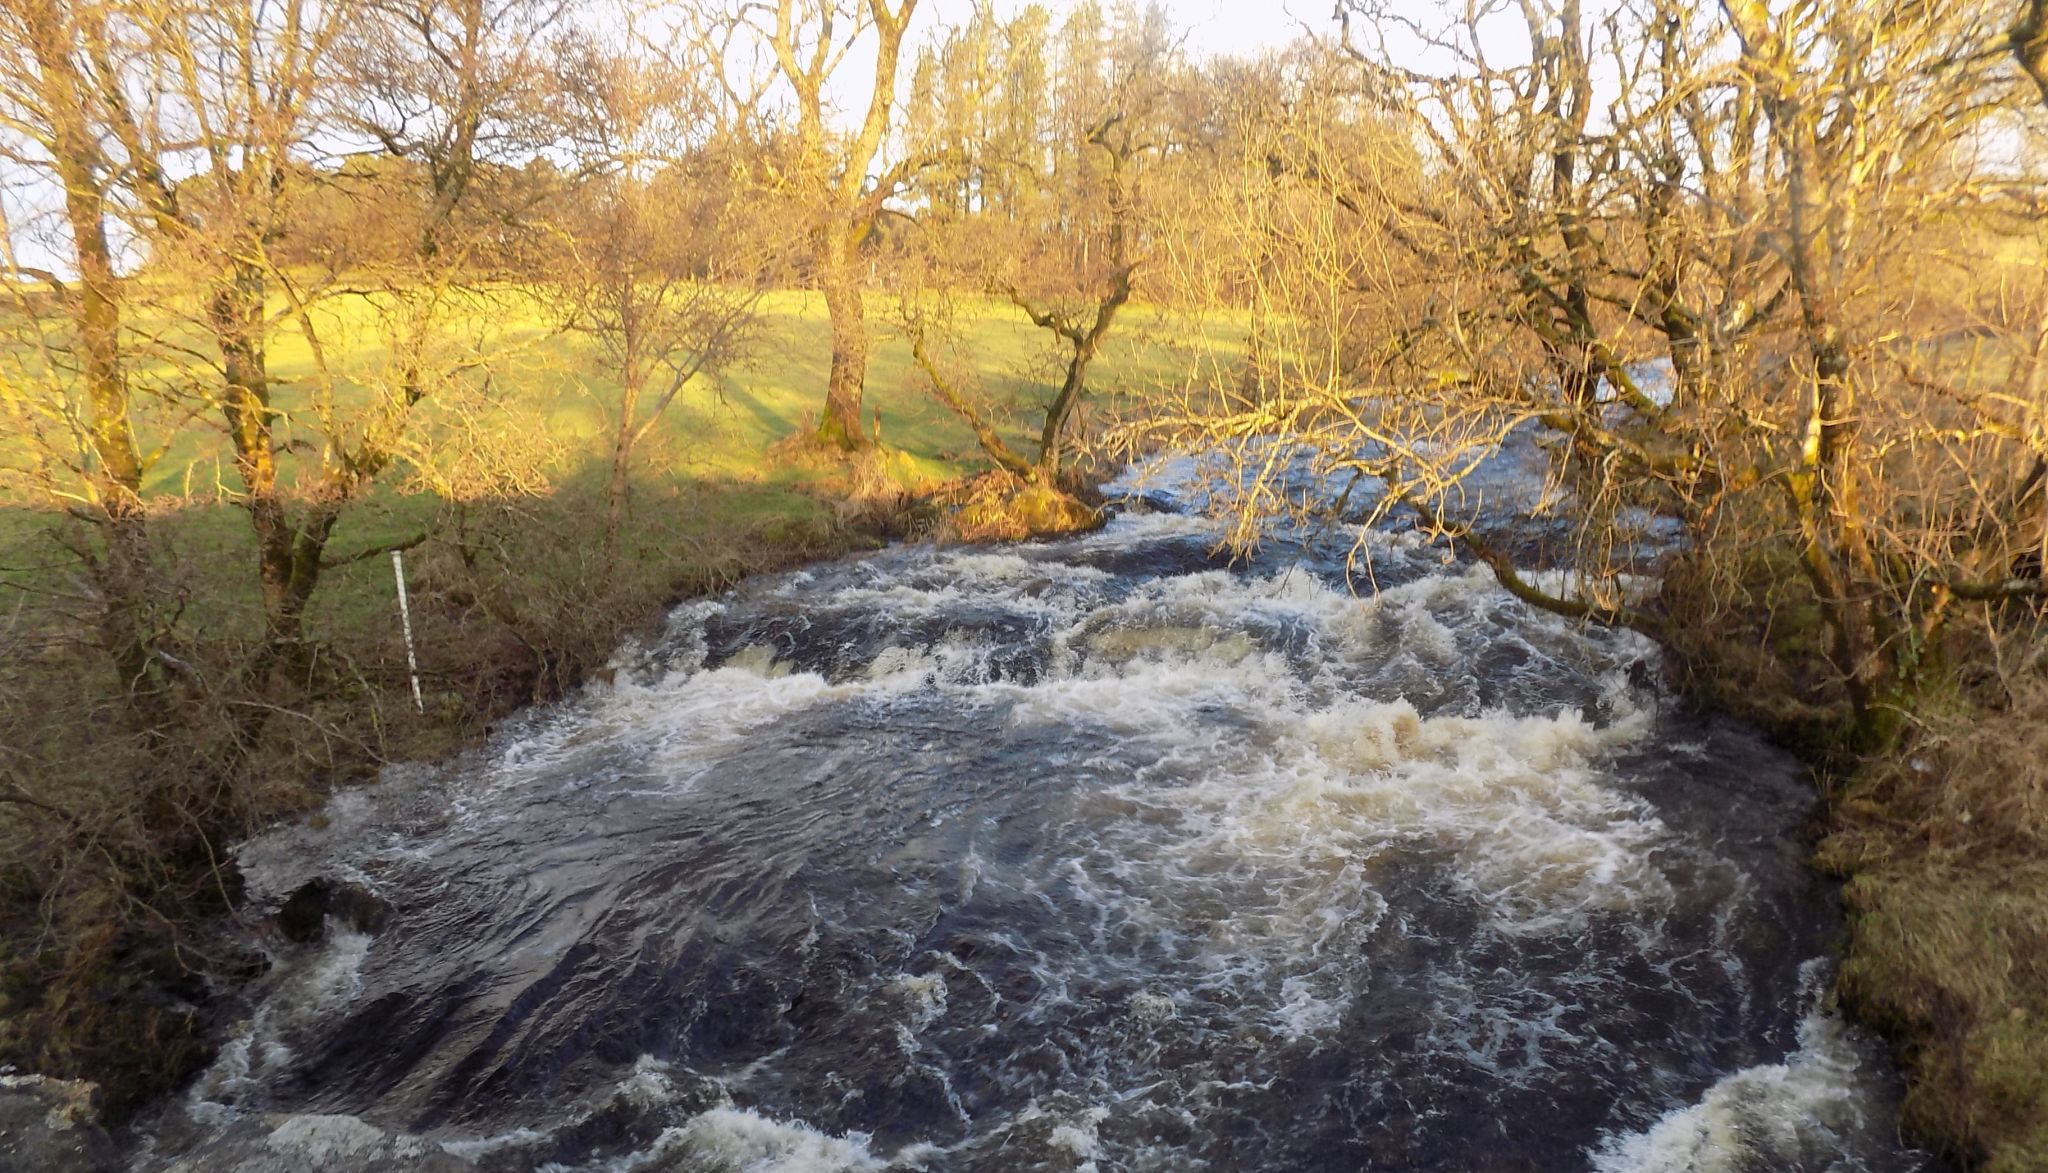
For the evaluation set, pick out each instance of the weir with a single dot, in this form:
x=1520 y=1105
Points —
x=1099 y=854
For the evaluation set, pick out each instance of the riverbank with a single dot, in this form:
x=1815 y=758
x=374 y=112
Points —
x=1942 y=843
x=117 y=905
x=1944 y=846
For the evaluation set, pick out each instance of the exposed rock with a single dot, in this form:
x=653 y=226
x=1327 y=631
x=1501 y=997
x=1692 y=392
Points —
x=303 y=919
x=1642 y=674
x=51 y=1126
x=331 y=1144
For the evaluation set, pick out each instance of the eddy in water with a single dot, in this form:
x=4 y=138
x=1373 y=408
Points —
x=1094 y=855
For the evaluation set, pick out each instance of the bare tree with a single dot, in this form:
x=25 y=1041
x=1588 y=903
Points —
x=54 y=102
x=1073 y=270
x=261 y=89
x=640 y=284
x=1619 y=269
x=833 y=175
x=1079 y=306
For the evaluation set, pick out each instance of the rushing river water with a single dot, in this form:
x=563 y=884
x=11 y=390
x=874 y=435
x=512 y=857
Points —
x=1100 y=854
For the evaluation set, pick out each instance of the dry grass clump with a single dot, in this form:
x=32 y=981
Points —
x=1946 y=847
x=869 y=489
x=1002 y=507
x=1972 y=783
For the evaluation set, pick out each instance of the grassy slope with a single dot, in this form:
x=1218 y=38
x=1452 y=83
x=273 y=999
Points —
x=711 y=448
x=712 y=497
x=720 y=426
x=1945 y=846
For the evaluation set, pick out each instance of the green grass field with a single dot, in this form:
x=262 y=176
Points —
x=707 y=474
x=721 y=425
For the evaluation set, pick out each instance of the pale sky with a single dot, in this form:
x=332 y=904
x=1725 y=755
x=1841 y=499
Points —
x=1219 y=26
x=1243 y=26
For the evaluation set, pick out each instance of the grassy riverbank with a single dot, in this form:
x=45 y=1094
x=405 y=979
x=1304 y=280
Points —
x=1942 y=841
x=1945 y=847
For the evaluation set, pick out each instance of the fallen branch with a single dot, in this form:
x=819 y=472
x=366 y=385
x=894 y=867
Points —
x=1504 y=571
x=376 y=551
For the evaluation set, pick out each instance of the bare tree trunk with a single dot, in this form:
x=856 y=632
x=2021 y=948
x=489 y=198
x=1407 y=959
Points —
x=618 y=491
x=837 y=171
x=1826 y=493
x=288 y=553
x=2030 y=44
x=1052 y=438
x=1085 y=344
x=125 y=575
x=235 y=314
x=985 y=434
x=841 y=284
x=619 y=485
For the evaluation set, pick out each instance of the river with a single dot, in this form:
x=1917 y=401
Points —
x=1095 y=854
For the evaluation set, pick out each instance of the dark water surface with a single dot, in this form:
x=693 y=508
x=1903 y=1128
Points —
x=1099 y=854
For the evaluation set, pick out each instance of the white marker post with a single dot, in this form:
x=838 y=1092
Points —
x=412 y=662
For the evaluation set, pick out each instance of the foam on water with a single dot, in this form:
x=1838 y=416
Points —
x=306 y=985
x=731 y=1140
x=1804 y=1115
x=1088 y=856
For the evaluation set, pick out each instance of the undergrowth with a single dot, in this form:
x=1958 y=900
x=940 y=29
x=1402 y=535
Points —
x=1945 y=848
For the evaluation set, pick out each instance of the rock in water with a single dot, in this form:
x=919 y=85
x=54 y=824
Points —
x=51 y=1126
x=303 y=919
